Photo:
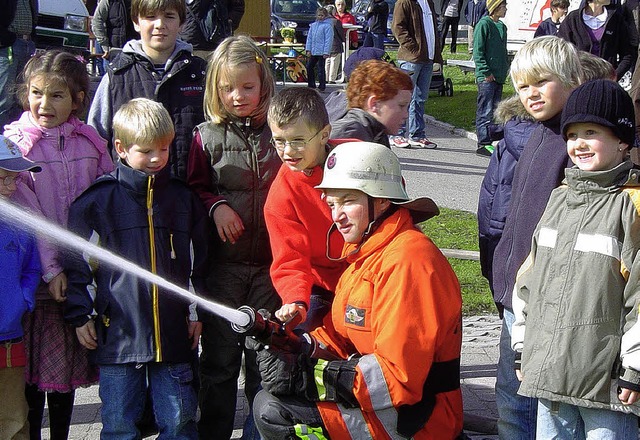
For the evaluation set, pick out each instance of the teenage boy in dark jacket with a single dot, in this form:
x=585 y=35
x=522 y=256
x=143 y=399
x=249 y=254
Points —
x=377 y=16
x=164 y=70
x=140 y=333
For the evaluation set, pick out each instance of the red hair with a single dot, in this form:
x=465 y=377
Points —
x=375 y=78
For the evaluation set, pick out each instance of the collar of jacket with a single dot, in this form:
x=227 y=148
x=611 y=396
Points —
x=135 y=181
x=252 y=121
x=553 y=124
x=383 y=235
x=603 y=181
x=133 y=53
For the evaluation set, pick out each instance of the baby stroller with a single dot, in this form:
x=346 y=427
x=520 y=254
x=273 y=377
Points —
x=440 y=84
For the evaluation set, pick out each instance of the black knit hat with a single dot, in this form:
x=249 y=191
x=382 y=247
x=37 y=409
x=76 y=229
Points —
x=601 y=102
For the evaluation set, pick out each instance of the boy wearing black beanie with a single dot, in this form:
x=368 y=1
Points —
x=577 y=293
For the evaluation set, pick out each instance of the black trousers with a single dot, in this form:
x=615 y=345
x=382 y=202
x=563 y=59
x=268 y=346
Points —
x=453 y=23
x=276 y=417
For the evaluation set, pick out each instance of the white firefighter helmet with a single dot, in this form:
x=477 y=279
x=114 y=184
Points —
x=366 y=166
x=375 y=170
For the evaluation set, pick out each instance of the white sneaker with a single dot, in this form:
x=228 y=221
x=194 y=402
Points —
x=399 y=142
x=422 y=143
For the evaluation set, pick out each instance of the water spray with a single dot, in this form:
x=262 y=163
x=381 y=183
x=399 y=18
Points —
x=38 y=225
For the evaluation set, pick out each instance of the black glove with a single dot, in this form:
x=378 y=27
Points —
x=328 y=381
x=279 y=369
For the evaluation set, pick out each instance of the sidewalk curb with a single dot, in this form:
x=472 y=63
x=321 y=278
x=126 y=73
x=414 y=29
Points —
x=451 y=128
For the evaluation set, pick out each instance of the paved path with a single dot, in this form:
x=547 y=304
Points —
x=478 y=370
x=451 y=175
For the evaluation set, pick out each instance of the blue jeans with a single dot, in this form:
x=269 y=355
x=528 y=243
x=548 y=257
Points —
x=375 y=40
x=489 y=95
x=123 y=392
x=565 y=421
x=516 y=414
x=420 y=74
x=10 y=67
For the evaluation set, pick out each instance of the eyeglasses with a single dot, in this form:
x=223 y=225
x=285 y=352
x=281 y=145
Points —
x=8 y=180
x=296 y=146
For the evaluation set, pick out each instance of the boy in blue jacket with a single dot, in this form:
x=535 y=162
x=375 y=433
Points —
x=142 y=337
x=19 y=278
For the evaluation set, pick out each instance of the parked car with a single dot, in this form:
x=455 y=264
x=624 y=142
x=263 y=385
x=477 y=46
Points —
x=359 y=11
x=286 y=13
x=63 y=24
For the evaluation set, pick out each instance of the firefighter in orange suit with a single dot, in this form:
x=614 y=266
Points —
x=388 y=367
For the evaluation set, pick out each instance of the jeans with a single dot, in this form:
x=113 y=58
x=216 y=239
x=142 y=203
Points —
x=516 y=414
x=565 y=421
x=420 y=74
x=375 y=40
x=489 y=95
x=10 y=67
x=123 y=393
x=276 y=417
x=316 y=60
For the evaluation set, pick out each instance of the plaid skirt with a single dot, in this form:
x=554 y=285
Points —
x=55 y=359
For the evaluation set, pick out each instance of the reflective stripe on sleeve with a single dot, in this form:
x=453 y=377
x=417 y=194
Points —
x=547 y=237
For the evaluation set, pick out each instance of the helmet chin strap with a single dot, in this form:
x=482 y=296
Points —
x=371 y=228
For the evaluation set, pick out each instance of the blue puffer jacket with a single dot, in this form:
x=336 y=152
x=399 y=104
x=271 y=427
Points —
x=19 y=278
x=495 y=192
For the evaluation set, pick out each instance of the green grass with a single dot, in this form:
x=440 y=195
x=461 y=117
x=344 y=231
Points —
x=459 y=230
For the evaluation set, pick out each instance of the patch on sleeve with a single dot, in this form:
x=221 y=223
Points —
x=354 y=316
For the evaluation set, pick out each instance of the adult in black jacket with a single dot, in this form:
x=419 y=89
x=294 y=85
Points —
x=377 y=16
x=608 y=33
x=112 y=25
x=197 y=10
x=17 y=24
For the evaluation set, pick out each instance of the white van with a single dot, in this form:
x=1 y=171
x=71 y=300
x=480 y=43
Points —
x=63 y=24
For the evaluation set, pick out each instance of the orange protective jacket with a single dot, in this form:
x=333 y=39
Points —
x=398 y=306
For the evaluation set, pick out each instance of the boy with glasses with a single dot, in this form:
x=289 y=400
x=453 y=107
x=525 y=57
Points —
x=296 y=216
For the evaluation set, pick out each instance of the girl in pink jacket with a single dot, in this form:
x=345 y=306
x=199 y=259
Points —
x=72 y=155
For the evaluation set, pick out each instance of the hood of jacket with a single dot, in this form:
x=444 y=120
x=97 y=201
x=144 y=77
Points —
x=134 y=47
x=26 y=133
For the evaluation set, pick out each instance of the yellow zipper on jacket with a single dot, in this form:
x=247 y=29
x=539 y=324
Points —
x=154 y=287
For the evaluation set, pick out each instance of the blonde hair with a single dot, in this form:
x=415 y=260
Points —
x=142 y=121
x=233 y=52
x=545 y=56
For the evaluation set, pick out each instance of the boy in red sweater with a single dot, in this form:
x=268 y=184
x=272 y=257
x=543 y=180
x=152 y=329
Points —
x=297 y=218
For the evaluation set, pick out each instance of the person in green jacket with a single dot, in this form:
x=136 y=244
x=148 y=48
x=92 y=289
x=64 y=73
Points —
x=492 y=66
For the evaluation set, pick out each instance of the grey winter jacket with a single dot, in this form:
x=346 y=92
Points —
x=358 y=124
x=576 y=296
x=241 y=164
